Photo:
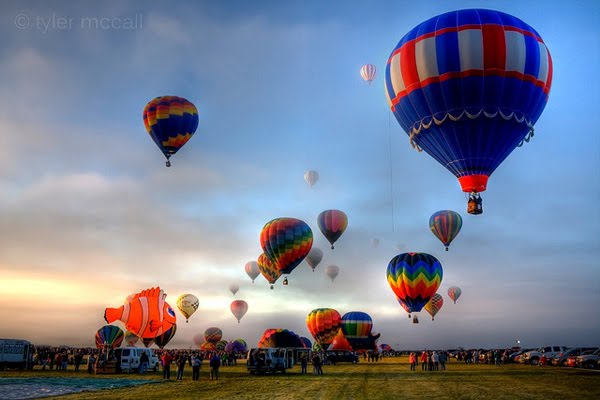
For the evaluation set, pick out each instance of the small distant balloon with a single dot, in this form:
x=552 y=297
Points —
x=314 y=257
x=311 y=177
x=368 y=72
x=454 y=293
x=252 y=270
x=375 y=242
x=234 y=288
x=332 y=271
x=239 y=309
x=434 y=305
x=445 y=225
x=332 y=224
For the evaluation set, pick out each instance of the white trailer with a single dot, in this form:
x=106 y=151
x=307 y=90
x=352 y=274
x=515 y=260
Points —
x=16 y=353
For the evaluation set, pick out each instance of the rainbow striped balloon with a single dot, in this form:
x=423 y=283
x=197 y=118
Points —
x=434 y=305
x=323 y=324
x=171 y=121
x=445 y=225
x=454 y=293
x=286 y=241
x=414 y=278
x=213 y=334
x=356 y=325
x=268 y=269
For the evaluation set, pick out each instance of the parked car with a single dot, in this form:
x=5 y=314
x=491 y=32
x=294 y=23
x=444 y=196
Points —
x=589 y=360
x=561 y=358
x=546 y=353
x=572 y=360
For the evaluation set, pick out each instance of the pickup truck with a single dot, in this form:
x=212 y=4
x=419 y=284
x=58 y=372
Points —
x=548 y=352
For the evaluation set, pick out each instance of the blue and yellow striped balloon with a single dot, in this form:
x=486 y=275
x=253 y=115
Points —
x=445 y=225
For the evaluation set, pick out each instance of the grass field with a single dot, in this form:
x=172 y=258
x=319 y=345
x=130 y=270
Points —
x=388 y=379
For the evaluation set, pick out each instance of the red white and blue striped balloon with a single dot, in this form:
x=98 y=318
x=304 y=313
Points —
x=467 y=86
x=368 y=72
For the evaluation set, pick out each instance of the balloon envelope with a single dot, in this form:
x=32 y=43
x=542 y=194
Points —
x=109 y=335
x=187 y=304
x=268 y=269
x=356 y=325
x=332 y=224
x=434 y=305
x=170 y=121
x=414 y=278
x=311 y=177
x=252 y=270
x=233 y=288
x=279 y=338
x=131 y=339
x=239 y=309
x=368 y=72
x=286 y=241
x=314 y=257
x=332 y=271
x=454 y=293
x=163 y=339
x=213 y=334
x=445 y=225
x=467 y=87
x=324 y=324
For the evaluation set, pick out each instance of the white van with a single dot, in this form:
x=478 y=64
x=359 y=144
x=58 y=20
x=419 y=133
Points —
x=130 y=358
x=16 y=353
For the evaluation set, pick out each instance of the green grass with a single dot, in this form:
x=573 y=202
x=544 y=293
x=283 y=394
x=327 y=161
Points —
x=384 y=380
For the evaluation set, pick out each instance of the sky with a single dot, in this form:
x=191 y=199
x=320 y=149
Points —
x=90 y=214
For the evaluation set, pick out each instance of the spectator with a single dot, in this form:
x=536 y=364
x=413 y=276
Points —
x=412 y=358
x=196 y=365
x=180 y=362
x=144 y=361
x=166 y=361
x=215 y=363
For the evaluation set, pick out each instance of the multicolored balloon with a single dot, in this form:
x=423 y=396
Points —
x=187 y=304
x=445 y=225
x=110 y=336
x=286 y=241
x=208 y=346
x=239 y=308
x=332 y=271
x=324 y=324
x=213 y=334
x=405 y=306
x=414 y=278
x=356 y=325
x=434 y=305
x=306 y=342
x=368 y=72
x=385 y=347
x=467 y=86
x=221 y=344
x=332 y=224
x=311 y=177
x=162 y=340
x=268 y=269
x=454 y=293
x=170 y=121
x=314 y=257
x=252 y=270
x=340 y=343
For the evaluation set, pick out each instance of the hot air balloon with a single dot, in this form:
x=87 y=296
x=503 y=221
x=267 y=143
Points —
x=405 y=306
x=237 y=345
x=171 y=121
x=187 y=304
x=324 y=324
x=208 y=347
x=306 y=342
x=332 y=224
x=286 y=241
x=234 y=288
x=414 y=278
x=445 y=225
x=368 y=72
x=221 y=344
x=332 y=271
x=279 y=338
x=162 y=340
x=467 y=86
x=198 y=339
x=131 y=339
x=340 y=343
x=268 y=269
x=375 y=242
x=147 y=342
x=239 y=309
x=356 y=325
x=311 y=177
x=434 y=305
x=454 y=293
x=109 y=336
x=213 y=334
x=314 y=257
x=252 y=270
x=385 y=347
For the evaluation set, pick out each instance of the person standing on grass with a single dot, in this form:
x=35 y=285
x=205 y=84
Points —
x=303 y=363
x=180 y=362
x=215 y=363
x=443 y=359
x=196 y=365
x=144 y=361
x=412 y=358
x=77 y=360
x=423 y=359
x=166 y=359
x=91 y=363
